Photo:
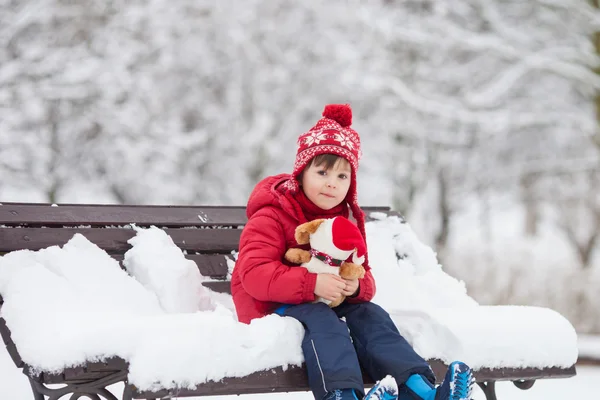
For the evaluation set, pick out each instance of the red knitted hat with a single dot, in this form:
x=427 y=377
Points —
x=332 y=135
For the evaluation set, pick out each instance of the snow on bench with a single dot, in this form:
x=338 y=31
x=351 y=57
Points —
x=435 y=314
x=71 y=305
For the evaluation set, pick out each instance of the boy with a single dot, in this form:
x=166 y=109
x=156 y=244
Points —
x=323 y=185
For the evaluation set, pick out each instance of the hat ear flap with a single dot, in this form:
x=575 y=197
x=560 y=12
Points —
x=304 y=231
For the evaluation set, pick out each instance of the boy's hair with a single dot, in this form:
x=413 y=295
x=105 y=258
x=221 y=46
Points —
x=327 y=160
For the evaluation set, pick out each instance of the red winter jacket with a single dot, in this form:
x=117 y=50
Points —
x=262 y=279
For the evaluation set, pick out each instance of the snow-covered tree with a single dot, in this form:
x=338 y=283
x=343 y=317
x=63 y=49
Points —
x=464 y=107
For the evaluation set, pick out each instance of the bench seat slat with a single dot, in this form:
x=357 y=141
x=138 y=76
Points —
x=511 y=374
x=295 y=379
x=115 y=239
x=277 y=380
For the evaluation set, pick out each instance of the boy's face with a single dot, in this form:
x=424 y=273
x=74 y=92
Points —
x=327 y=188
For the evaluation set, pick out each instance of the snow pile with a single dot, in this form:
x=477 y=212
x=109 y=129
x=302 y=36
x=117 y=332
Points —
x=68 y=305
x=434 y=313
x=161 y=267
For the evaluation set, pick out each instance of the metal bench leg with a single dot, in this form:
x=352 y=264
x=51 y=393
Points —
x=36 y=394
x=95 y=390
x=489 y=389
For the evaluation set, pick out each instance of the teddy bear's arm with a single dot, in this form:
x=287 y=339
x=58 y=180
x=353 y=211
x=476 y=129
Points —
x=297 y=256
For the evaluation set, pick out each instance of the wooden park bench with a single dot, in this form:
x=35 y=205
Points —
x=36 y=226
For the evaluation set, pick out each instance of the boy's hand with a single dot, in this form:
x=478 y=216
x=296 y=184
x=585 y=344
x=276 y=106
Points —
x=329 y=286
x=351 y=287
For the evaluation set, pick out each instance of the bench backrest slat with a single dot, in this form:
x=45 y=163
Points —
x=115 y=239
x=15 y=214
x=105 y=215
x=208 y=234
x=210 y=265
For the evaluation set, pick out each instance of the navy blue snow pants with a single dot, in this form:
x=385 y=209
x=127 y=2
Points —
x=334 y=356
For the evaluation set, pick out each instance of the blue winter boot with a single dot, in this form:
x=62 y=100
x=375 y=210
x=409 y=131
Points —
x=385 y=389
x=457 y=384
x=341 y=394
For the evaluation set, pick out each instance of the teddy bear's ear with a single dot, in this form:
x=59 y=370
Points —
x=304 y=231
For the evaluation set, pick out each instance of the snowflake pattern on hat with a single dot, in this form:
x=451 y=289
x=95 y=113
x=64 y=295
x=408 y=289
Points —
x=330 y=135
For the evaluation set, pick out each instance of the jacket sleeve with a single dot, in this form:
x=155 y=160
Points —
x=261 y=272
x=366 y=289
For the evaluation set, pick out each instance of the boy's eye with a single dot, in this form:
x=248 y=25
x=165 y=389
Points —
x=322 y=172
x=343 y=176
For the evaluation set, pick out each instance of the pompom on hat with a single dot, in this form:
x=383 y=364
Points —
x=332 y=134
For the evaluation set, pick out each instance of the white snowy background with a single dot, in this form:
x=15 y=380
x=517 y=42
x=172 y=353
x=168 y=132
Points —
x=477 y=117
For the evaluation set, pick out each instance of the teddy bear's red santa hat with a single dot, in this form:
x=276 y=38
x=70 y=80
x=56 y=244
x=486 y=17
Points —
x=347 y=237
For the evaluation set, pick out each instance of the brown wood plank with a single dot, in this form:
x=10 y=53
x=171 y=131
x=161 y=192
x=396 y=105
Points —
x=14 y=354
x=115 y=239
x=36 y=214
x=103 y=215
x=218 y=286
x=50 y=379
x=385 y=210
x=210 y=265
x=5 y=332
x=277 y=380
x=514 y=374
x=295 y=379
x=74 y=373
x=111 y=364
x=86 y=373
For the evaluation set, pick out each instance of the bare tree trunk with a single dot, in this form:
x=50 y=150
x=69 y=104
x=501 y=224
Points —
x=54 y=163
x=584 y=244
x=441 y=239
x=529 y=201
x=596 y=41
x=584 y=248
x=404 y=190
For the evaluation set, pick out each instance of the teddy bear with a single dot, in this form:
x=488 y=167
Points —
x=332 y=242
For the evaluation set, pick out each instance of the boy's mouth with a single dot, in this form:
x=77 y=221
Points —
x=328 y=195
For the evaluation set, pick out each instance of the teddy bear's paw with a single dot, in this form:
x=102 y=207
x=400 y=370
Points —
x=352 y=271
x=297 y=256
x=337 y=302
